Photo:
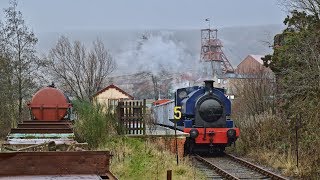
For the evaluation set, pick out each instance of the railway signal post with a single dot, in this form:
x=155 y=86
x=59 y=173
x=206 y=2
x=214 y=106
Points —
x=177 y=117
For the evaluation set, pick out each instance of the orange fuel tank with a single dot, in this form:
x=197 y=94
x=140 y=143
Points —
x=49 y=104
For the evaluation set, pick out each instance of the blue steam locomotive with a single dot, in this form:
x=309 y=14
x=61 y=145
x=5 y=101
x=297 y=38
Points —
x=205 y=112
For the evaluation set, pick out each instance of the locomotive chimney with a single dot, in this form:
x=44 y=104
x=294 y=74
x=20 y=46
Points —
x=209 y=85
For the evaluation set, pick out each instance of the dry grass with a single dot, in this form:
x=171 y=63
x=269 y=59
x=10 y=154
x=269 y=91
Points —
x=132 y=158
x=285 y=163
x=138 y=159
x=270 y=139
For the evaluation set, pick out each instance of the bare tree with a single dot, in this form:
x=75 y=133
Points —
x=160 y=84
x=80 y=71
x=165 y=80
x=18 y=45
x=254 y=93
x=309 y=6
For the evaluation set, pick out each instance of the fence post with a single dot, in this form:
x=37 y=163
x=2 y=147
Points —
x=169 y=174
x=120 y=116
x=144 y=116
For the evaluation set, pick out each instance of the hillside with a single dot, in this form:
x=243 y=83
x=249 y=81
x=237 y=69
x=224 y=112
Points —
x=173 y=49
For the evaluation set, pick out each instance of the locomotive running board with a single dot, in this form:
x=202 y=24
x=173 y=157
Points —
x=55 y=163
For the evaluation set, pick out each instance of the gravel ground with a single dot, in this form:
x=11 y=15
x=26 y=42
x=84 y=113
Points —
x=263 y=165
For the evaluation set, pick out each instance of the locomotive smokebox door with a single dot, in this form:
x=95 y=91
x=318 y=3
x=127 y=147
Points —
x=209 y=108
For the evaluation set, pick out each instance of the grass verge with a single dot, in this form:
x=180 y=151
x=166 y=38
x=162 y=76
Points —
x=136 y=159
x=133 y=158
x=270 y=139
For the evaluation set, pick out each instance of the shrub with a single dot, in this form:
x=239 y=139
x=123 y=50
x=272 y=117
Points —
x=94 y=123
x=270 y=138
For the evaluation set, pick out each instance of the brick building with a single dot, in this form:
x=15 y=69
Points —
x=251 y=65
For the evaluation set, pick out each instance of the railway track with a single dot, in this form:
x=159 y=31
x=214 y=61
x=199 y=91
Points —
x=231 y=167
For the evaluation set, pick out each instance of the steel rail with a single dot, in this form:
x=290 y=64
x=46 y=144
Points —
x=220 y=171
x=256 y=168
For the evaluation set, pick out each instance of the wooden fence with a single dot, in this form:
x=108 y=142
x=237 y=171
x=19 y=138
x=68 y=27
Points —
x=132 y=116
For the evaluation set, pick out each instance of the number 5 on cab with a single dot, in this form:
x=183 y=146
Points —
x=177 y=112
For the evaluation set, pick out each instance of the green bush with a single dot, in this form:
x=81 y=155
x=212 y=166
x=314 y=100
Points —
x=94 y=123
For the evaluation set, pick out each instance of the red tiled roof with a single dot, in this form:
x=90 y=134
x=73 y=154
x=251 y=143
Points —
x=114 y=87
x=161 y=101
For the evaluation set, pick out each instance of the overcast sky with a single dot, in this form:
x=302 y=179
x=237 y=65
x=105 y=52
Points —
x=68 y=15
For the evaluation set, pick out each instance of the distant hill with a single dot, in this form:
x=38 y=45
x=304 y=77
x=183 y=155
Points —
x=173 y=49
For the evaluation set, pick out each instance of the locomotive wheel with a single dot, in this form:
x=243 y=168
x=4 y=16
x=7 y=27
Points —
x=222 y=149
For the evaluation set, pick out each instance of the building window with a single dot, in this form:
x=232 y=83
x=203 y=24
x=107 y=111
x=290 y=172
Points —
x=231 y=97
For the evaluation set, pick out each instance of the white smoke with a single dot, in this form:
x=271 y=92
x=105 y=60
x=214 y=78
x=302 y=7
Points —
x=158 y=50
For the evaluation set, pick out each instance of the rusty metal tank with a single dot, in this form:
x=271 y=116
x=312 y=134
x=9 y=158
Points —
x=49 y=104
